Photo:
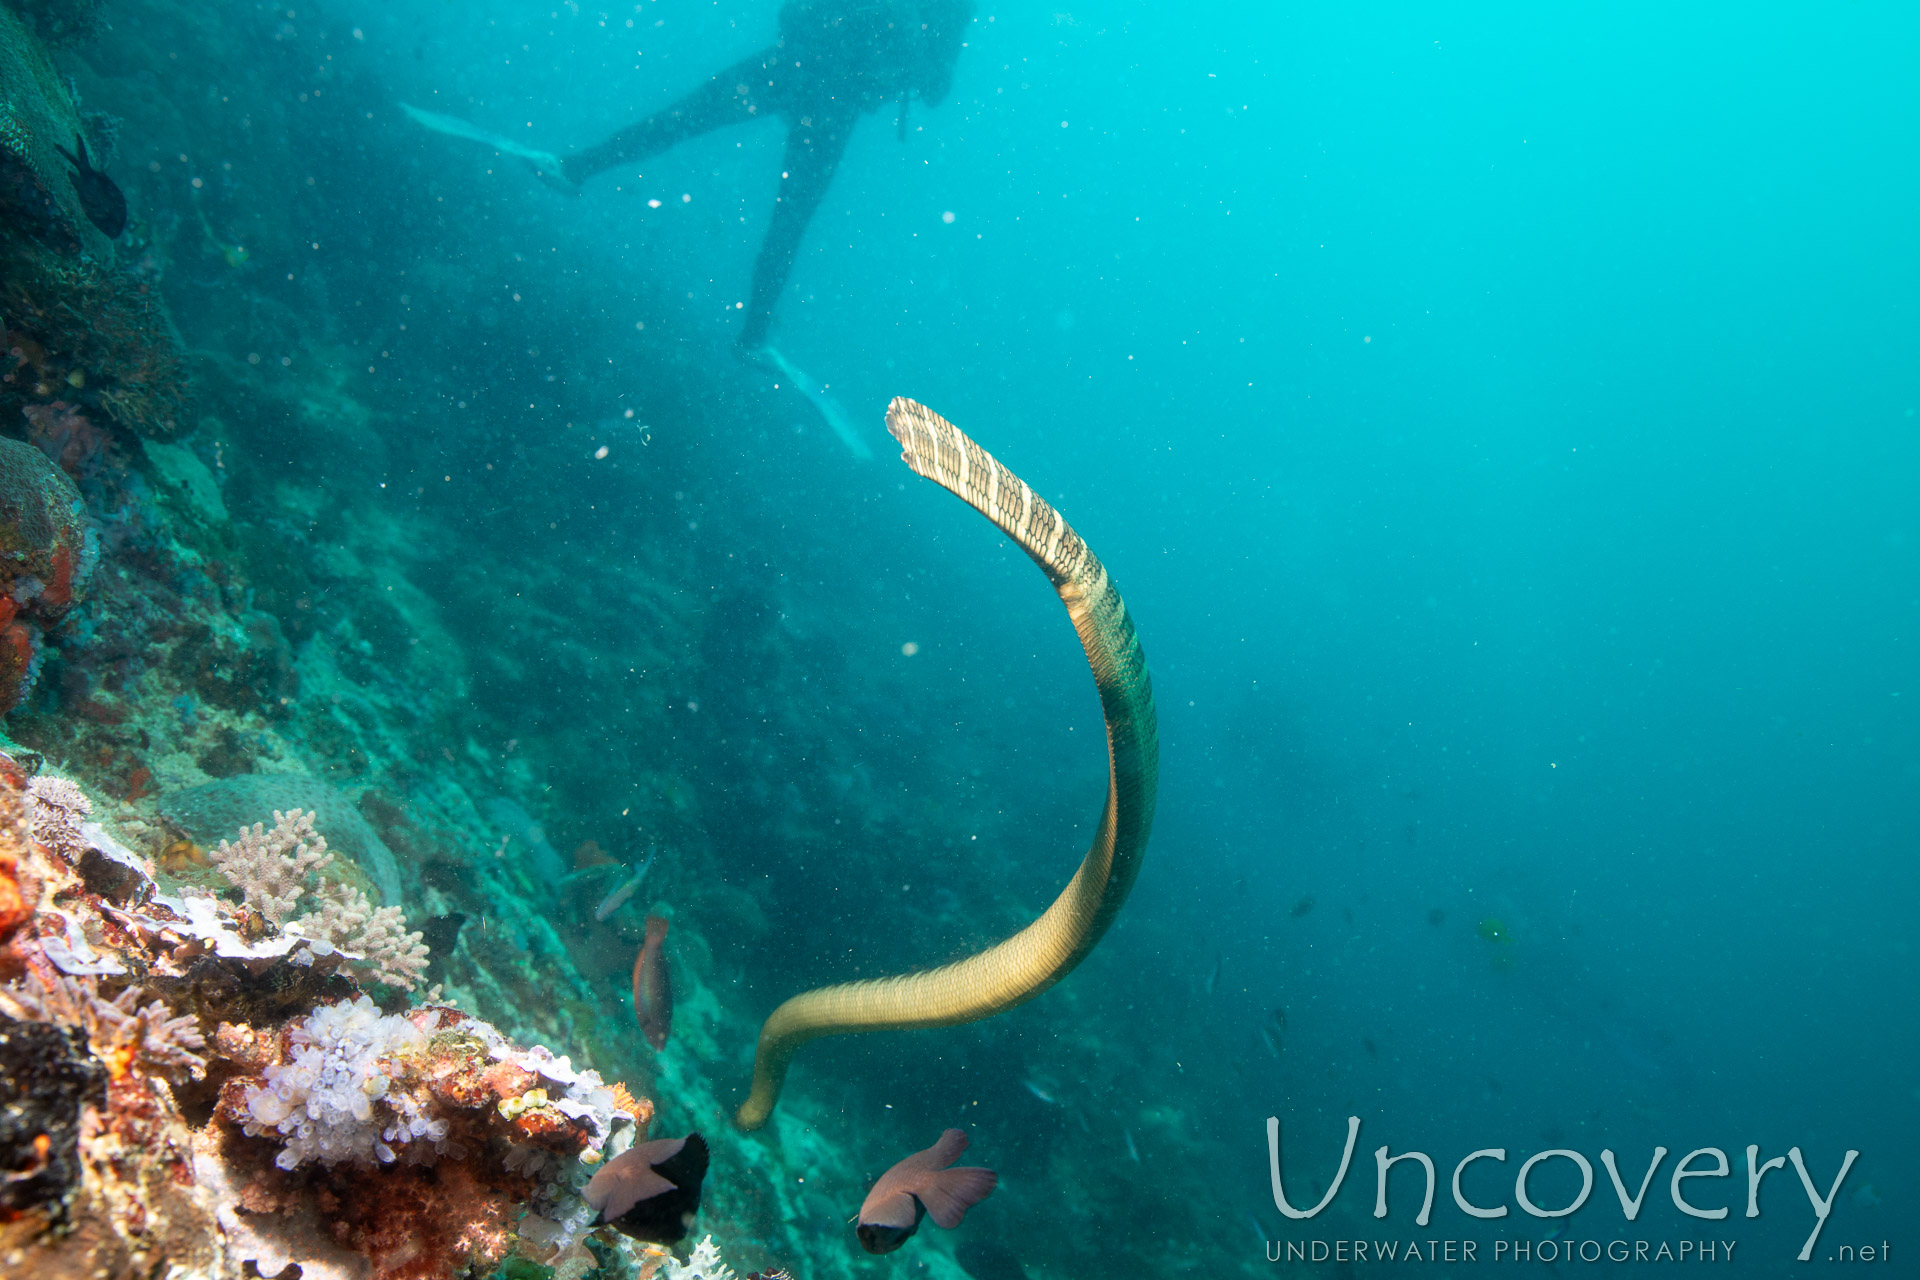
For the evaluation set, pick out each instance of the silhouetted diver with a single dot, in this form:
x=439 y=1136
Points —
x=834 y=61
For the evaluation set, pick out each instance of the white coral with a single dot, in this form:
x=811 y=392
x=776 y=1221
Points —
x=703 y=1264
x=323 y=1103
x=270 y=868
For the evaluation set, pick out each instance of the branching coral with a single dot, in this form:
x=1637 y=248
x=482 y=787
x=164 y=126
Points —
x=346 y=919
x=272 y=869
x=398 y=958
x=343 y=912
x=120 y=1032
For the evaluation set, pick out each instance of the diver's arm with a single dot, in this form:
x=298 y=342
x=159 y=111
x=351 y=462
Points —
x=815 y=143
x=713 y=105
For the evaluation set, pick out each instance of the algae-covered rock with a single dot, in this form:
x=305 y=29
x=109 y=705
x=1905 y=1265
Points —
x=47 y=548
x=77 y=323
x=46 y=1074
x=216 y=811
x=39 y=118
x=47 y=553
x=62 y=21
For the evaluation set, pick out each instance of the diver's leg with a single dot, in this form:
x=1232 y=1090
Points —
x=713 y=105
x=815 y=143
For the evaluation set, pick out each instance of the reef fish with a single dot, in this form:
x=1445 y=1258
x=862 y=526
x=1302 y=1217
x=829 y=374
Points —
x=100 y=199
x=919 y=1185
x=624 y=890
x=652 y=990
x=651 y=1191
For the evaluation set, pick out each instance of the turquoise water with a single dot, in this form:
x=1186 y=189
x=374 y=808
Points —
x=1500 y=421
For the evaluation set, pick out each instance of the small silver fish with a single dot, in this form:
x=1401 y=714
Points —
x=624 y=890
x=1040 y=1093
x=1133 y=1152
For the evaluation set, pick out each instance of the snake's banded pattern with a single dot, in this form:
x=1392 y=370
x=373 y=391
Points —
x=1021 y=967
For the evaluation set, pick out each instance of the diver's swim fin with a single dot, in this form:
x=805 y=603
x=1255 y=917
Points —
x=546 y=165
x=823 y=404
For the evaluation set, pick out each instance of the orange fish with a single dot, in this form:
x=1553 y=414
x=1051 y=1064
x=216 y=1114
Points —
x=652 y=990
x=922 y=1184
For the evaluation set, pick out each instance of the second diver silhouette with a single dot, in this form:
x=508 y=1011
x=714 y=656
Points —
x=832 y=62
